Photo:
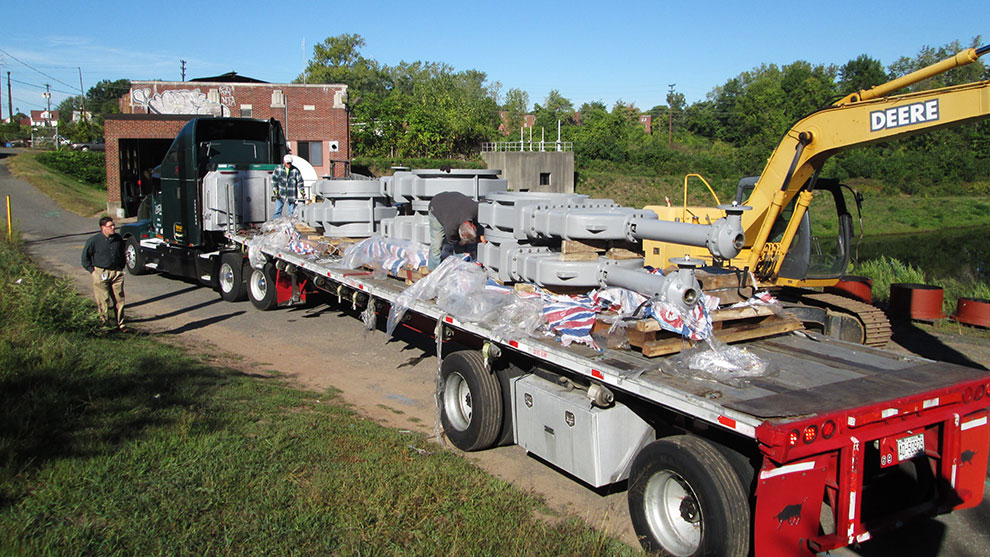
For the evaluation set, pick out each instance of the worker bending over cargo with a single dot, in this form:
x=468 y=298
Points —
x=453 y=226
x=287 y=186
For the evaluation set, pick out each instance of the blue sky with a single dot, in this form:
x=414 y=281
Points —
x=587 y=50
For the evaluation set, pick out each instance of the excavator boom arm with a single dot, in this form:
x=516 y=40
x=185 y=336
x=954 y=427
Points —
x=811 y=141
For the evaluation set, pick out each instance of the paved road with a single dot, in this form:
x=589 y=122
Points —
x=389 y=380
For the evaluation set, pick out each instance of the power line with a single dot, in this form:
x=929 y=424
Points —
x=35 y=69
x=28 y=103
x=41 y=87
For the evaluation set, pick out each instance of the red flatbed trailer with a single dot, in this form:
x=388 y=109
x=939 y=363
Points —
x=843 y=441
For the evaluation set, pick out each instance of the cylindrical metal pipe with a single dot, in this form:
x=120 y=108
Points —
x=724 y=238
x=680 y=288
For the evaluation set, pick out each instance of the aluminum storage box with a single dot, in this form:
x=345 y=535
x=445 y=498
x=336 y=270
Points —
x=561 y=426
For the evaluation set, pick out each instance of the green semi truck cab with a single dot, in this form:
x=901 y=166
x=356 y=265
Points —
x=202 y=189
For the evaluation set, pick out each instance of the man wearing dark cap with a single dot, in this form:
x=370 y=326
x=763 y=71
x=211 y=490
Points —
x=103 y=257
x=287 y=186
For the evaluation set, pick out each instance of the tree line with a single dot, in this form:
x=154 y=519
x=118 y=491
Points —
x=427 y=109
x=99 y=100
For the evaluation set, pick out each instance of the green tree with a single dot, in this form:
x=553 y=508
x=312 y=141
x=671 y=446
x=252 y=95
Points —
x=861 y=73
x=555 y=109
x=338 y=60
x=516 y=107
x=103 y=98
x=928 y=56
x=67 y=107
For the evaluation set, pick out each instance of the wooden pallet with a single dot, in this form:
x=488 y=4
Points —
x=590 y=250
x=728 y=325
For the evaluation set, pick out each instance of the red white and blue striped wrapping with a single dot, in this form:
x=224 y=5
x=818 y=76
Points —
x=570 y=317
x=763 y=298
x=622 y=301
x=296 y=245
x=391 y=255
x=696 y=324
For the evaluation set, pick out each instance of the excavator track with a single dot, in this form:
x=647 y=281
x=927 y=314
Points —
x=875 y=322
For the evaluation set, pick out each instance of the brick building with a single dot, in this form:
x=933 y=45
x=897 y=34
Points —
x=314 y=118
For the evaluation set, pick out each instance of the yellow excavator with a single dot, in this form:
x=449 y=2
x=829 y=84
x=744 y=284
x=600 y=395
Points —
x=781 y=248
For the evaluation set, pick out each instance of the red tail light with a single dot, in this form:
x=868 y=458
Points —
x=828 y=429
x=810 y=433
x=794 y=437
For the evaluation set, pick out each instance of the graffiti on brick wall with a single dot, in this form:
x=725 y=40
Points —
x=180 y=101
x=226 y=95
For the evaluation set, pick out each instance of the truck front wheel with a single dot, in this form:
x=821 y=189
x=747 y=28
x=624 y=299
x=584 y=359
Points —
x=134 y=260
x=685 y=499
x=261 y=288
x=470 y=401
x=230 y=277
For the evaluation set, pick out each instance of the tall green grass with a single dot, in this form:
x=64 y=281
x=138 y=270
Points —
x=886 y=271
x=120 y=445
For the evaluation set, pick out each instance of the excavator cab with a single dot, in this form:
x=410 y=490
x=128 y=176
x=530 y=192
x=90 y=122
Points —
x=821 y=247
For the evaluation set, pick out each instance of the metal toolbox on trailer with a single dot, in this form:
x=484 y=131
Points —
x=562 y=427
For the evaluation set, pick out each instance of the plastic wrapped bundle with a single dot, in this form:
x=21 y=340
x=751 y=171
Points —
x=389 y=254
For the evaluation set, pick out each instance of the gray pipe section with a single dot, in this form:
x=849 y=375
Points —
x=680 y=288
x=724 y=238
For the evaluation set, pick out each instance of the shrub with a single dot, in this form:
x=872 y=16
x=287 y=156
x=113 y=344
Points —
x=88 y=167
x=886 y=271
x=382 y=166
x=43 y=302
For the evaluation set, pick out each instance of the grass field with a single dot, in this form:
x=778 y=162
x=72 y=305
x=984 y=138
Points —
x=116 y=444
x=71 y=194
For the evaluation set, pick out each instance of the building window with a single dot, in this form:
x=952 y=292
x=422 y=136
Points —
x=312 y=151
x=247 y=111
x=544 y=178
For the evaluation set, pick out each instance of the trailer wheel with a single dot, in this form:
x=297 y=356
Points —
x=261 y=288
x=686 y=499
x=134 y=260
x=470 y=401
x=230 y=277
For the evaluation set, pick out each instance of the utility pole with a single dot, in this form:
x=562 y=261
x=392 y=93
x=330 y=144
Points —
x=82 y=95
x=183 y=62
x=10 y=103
x=670 y=117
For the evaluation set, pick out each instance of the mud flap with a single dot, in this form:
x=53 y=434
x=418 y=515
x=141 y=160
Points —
x=788 y=506
x=971 y=464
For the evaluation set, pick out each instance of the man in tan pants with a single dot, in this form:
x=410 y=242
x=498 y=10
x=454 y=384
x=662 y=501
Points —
x=103 y=257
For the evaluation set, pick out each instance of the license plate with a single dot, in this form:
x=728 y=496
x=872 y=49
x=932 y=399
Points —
x=910 y=447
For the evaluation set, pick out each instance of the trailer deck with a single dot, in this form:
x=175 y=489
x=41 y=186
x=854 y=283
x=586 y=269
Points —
x=812 y=374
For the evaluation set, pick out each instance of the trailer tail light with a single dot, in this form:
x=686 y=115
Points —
x=810 y=434
x=980 y=391
x=828 y=429
x=793 y=438
x=968 y=394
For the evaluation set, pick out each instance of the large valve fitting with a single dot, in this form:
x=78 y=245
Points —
x=680 y=288
x=726 y=238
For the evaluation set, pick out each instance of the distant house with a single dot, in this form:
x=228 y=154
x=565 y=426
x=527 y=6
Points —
x=529 y=120
x=647 y=121
x=79 y=116
x=44 y=118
